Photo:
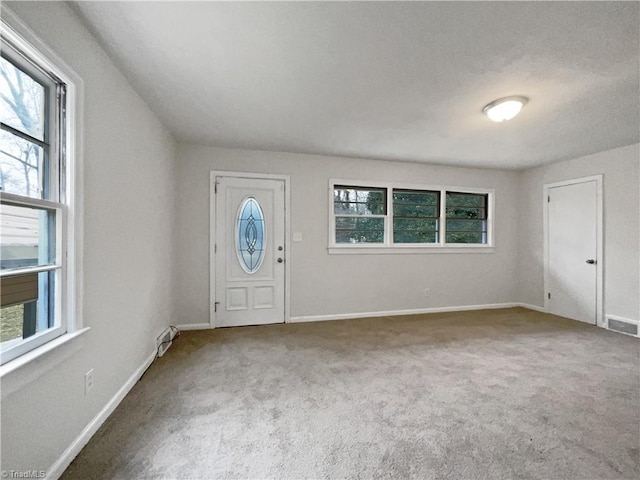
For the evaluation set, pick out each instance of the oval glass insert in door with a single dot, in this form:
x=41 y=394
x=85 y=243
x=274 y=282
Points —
x=251 y=238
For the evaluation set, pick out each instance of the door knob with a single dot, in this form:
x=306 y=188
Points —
x=280 y=260
x=591 y=261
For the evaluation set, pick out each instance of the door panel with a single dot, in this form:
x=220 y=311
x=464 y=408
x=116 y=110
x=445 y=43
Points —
x=250 y=233
x=572 y=241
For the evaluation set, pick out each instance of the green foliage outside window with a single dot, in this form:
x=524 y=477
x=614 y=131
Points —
x=360 y=216
x=356 y=210
x=466 y=218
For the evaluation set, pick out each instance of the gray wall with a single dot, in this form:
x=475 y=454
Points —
x=324 y=284
x=621 y=230
x=129 y=199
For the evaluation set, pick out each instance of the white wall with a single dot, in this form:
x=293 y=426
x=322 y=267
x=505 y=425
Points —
x=621 y=239
x=324 y=284
x=128 y=206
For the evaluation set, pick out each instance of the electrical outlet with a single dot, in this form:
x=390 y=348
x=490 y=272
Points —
x=426 y=292
x=88 y=382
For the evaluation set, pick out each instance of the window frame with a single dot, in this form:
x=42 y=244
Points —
x=33 y=57
x=385 y=234
x=389 y=247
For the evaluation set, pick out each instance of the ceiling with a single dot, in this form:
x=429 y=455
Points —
x=384 y=80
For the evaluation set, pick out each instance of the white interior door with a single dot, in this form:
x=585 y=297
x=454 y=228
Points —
x=249 y=251
x=572 y=251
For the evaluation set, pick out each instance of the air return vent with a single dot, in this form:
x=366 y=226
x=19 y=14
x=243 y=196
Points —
x=622 y=325
x=164 y=341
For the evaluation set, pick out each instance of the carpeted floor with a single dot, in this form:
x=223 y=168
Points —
x=490 y=394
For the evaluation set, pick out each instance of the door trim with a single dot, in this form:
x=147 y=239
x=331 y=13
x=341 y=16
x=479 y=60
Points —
x=600 y=321
x=212 y=236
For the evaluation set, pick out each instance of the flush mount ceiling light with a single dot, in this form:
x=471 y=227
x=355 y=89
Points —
x=504 y=108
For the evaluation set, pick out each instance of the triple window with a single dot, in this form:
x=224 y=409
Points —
x=399 y=216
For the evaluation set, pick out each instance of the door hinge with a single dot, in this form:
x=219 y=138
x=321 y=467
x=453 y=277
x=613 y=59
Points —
x=215 y=187
x=215 y=248
x=215 y=306
x=548 y=198
x=549 y=296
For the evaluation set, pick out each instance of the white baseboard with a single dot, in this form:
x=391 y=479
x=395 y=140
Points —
x=391 y=313
x=387 y=313
x=531 y=307
x=60 y=465
x=194 y=326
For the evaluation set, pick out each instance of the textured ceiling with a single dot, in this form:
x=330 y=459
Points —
x=384 y=80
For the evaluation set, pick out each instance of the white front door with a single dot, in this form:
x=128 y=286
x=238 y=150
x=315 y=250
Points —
x=249 y=251
x=572 y=251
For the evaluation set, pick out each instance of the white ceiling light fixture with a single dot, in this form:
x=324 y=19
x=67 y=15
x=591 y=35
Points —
x=504 y=108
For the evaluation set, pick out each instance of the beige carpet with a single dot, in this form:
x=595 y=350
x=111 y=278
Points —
x=493 y=394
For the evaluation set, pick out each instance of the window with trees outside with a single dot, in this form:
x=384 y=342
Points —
x=369 y=215
x=34 y=194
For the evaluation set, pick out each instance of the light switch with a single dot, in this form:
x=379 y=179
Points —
x=297 y=237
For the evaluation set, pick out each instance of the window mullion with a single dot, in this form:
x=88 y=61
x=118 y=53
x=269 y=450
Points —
x=388 y=231
x=442 y=234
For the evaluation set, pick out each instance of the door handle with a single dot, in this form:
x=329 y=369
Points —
x=591 y=261
x=280 y=260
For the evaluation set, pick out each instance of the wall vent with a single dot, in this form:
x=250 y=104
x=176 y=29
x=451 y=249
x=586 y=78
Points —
x=622 y=325
x=164 y=341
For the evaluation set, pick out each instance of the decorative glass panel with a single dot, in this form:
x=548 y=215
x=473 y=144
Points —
x=250 y=235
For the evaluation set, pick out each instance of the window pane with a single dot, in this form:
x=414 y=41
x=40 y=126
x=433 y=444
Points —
x=359 y=230
x=466 y=199
x=20 y=166
x=466 y=212
x=27 y=305
x=415 y=216
x=413 y=236
x=359 y=201
x=412 y=197
x=415 y=224
x=22 y=100
x=415 y=211
x=466 y=237
x=28 y=237
x=466 y=218
x=465 y=225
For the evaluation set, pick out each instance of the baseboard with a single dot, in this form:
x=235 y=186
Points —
x=392 y=313
x=194 y=326
x=60 y=465
x=531 y=307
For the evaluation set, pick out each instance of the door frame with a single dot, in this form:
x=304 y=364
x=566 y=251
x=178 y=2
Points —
x=213 y=230
x=599 y=241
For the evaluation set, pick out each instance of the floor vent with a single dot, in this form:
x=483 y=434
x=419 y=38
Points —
x=164 y=341
x=622 y=325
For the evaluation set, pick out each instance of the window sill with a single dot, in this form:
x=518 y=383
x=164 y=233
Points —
x=406 y=249
x=36 y=354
